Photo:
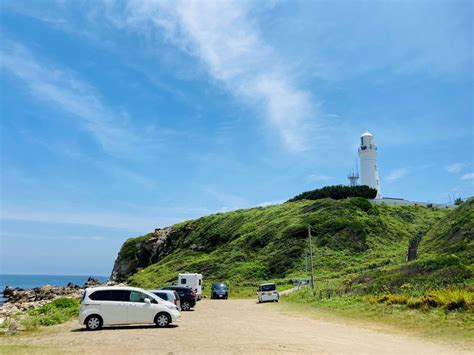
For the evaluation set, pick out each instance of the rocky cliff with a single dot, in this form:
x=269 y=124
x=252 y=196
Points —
x=143 y=251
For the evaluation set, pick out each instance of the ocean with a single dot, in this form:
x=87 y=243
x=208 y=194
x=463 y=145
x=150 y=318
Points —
x=30 y=281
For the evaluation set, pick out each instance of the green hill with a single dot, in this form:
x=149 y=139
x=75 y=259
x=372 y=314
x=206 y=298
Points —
x=446 y=255
x=358 y=247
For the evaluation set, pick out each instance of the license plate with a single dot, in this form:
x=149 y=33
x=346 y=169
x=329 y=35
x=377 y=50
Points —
x=269 y=293
x=220 y=296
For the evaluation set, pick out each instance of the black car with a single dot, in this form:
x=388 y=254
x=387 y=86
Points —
x=219 y=290
x=186 y=295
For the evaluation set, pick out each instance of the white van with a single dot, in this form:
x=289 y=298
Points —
x=124 y=305
x=267 y=293
x=193 y=281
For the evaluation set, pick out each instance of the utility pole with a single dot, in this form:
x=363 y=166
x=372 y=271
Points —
x=311 y=256
x=306 y=260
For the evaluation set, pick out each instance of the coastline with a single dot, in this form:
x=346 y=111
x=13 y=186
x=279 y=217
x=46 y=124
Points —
x=30 y=281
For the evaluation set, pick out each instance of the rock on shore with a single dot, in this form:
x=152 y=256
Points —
x=19 y=300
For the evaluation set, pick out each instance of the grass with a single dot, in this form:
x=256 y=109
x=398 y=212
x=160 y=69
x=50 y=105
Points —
x=56 y=312
x=269 y=243
x=448 y=300
x=435 y=323
x=26 y=349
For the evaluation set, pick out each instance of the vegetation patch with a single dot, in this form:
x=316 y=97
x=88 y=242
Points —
x=359 y=246
x=56 y=312
x=337 y=192
x=449 y=300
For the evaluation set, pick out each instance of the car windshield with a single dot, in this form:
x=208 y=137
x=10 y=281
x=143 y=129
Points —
x=265 y=288
x=219 y=287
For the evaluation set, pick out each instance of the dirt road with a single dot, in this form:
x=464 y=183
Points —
x=233 y=326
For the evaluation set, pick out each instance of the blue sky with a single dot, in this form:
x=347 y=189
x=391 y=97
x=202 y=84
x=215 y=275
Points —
x=119 y=117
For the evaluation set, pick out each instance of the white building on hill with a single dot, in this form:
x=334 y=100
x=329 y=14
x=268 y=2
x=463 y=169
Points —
x=368 y=163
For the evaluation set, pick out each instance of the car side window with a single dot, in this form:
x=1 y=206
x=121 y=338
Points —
x=137 y=296
x=162 y=295
x=120 y=295
x=100 y=295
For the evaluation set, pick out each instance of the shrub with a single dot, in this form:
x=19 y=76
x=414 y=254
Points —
x=55 y=312
x=361 y=203
x=337 y=192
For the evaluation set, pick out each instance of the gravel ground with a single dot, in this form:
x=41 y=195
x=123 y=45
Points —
x=232 y=326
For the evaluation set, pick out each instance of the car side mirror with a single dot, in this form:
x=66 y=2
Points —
x=147 y=300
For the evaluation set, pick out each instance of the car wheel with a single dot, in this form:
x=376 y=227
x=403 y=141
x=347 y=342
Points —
x=162 y=320
x=185 y=306
x=93 y=322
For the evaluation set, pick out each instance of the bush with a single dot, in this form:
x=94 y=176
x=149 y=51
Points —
x=361 y=203
x=337 y=192
x=55 y=312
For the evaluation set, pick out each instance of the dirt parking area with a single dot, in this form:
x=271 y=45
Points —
x=232 y=326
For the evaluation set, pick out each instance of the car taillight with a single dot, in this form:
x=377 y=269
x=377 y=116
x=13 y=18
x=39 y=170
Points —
x=175 y=301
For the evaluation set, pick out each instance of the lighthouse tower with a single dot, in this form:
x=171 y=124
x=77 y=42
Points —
x=368 y=162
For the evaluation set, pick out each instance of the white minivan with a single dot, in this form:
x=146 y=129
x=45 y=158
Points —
x=193 y=281
x=124 y=305
x=267 y=293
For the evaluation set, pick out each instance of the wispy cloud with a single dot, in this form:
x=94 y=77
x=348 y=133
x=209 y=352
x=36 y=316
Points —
x=270 y=203
x=223 y=37
x=469 y=176
x=119 y=221
x=5 y=235
x=63 y=90
x=318 y=177
x=454 y=168
x=226 y=201
x=396 y=174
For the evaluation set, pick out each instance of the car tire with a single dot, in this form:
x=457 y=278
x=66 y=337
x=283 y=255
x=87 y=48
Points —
x=162 y=320
x=185 y=306
x=94 y=322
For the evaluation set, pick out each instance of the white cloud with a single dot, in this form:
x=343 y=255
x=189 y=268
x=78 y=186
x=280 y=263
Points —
x=454 y=168
x=469 y=176
x=119 y=221
x=5 y=235
x=224 y=38
x=270 y=203
x=318 y=177
x=63 y=90
x=396 y=174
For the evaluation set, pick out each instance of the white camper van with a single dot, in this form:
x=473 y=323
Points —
x=193 y=281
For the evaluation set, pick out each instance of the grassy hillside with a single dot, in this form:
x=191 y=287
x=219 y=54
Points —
x=446 y=255
x=352 y=238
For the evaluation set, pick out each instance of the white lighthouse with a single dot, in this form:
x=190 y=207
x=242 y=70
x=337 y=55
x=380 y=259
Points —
x=368 y=162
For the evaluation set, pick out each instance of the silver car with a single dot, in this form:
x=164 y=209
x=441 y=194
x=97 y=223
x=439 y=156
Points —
x=168 y=295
